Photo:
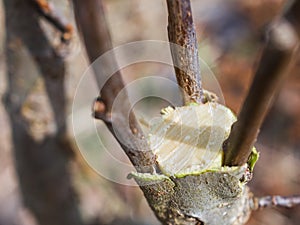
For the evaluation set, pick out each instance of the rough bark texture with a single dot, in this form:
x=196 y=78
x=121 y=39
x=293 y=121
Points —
x=210 y=198
x=41 y=162
x=181 y=31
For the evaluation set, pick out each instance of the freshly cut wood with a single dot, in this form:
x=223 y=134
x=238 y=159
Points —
x=189 y=139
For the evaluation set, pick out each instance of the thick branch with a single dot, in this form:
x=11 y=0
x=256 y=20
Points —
x=182 y=32
x=274 y=65
x=41 y=165
x=92 y=23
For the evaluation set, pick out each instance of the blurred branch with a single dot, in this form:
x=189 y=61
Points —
x=92 y=23
x=277 y=57
x=293 y=16
x=41 y=164
x=181 y=31
x=53 y=16
x=277 y=201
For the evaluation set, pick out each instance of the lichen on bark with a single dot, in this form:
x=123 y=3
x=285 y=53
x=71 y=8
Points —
x=197 y=192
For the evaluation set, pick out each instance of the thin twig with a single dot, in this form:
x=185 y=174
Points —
x=274 y=65
x=91 y=20
x=181 y=31
x=53 y=16
x=276 y=201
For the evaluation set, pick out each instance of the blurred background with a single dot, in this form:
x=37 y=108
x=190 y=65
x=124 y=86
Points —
x=229 y=42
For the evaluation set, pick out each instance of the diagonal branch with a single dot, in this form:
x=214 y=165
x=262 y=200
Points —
x=50 y=13
x=181 y=31
x=92 y=23
x=277 y=57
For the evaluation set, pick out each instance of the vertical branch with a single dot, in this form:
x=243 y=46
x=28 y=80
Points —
x=274 y=65
x=181 y=31
x=41 y=164
x=92 y=23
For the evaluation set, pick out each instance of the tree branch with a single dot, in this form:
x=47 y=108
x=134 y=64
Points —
x=41 y=164
x=277 y=201
x=181 y=31
x=91 y=20
x=277 y=57
x=53 y=16
x=293 y=16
